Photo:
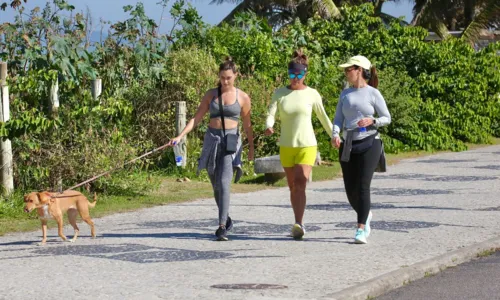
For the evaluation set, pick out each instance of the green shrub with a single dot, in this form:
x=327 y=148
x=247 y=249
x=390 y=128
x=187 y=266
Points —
x=441 y=95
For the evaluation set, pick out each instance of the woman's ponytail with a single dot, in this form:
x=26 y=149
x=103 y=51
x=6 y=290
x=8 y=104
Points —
x=373 y=81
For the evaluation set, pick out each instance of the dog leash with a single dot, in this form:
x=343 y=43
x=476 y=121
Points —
x=112 y=170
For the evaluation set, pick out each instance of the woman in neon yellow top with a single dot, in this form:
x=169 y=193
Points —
x=298 y=147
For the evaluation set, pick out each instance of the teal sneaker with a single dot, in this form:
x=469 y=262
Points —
x=368 y=229
x=360 y=237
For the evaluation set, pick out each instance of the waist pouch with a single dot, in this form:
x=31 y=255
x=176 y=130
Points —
x=231 y=143
x=361 y=146
x=358 y=146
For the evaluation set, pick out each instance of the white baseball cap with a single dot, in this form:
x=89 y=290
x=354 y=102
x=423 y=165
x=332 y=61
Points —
x=357 y=60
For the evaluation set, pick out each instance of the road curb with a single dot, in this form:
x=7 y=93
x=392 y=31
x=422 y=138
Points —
x=381 y=285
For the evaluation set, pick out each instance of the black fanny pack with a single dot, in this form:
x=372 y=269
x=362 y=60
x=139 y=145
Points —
x=363 y=145
x=230 y=139
x=358 y=146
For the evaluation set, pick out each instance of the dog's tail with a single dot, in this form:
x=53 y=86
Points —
x=92 y=204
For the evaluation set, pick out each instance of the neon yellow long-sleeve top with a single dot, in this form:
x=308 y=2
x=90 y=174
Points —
x=295 y=111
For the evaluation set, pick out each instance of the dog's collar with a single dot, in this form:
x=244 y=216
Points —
x=42 y=206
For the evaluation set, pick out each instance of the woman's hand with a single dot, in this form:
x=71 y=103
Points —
x=336 y=142
x=365 y=122
x=174 y=141
x=269 y=131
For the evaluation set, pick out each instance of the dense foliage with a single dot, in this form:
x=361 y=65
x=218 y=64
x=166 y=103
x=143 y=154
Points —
x=441 y=95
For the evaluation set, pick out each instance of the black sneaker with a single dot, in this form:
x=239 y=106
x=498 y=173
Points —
x=221 y=234
x=229 y=224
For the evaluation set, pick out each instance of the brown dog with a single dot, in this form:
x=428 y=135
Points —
x=54 y=205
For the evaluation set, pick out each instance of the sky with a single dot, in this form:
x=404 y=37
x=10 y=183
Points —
x=112 y=10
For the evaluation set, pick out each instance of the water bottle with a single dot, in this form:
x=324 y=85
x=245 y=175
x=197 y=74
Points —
x=361 y=116
x=178 y=154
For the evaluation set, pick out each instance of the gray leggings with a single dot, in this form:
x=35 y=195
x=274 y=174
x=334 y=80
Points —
x=221 y=180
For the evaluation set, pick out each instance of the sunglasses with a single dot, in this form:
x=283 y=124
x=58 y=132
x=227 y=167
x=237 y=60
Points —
x=292 y=75
x=347 y=70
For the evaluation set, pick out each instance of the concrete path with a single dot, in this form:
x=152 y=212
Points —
x=423 y=208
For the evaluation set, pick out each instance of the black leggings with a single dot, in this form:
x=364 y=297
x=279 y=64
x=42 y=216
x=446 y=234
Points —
x=358 y=174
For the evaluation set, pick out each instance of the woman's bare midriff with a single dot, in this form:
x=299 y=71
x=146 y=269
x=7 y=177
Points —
x=217 y=124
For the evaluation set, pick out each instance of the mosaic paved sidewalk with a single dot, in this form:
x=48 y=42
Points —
x=422 y=208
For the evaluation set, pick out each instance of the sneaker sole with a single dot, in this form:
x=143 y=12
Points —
x=360 y=242
x=222 y=239
x=297 y=232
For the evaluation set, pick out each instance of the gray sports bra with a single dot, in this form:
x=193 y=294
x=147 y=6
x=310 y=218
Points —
x=231 y=111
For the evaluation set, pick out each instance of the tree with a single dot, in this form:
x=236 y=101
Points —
x=468 y=16
x=14 y=4
x=278 y=13
x=377 y=4
x=486 y=15
x=281 y=12
x=471 y=17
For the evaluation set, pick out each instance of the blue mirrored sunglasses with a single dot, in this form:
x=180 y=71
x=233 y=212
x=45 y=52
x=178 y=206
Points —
x=292 y=75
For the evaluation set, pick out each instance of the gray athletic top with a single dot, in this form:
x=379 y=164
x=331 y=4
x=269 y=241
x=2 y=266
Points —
x=355 y=103
x=231 y=112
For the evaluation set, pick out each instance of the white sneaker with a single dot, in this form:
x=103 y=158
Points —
x=368 y=229
x=298 y=231
x=360 y=237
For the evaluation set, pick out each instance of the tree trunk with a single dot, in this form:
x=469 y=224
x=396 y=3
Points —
x=378 y=6
x=469 y=12
x=453 y=24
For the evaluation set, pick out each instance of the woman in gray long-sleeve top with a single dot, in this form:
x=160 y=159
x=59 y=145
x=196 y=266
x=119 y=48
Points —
x=361 y=146
x=214 y=157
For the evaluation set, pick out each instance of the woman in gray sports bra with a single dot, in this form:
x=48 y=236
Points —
x=214 y=158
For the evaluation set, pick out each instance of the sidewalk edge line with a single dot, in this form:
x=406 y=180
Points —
x=380 y=285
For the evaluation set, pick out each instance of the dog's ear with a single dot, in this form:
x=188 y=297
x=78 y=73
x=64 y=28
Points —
x=44 y=198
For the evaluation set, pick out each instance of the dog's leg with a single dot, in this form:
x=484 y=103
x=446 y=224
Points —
x=89 y=221
x=44 y=233
x=72 y=213
x=83 y=209
x=59 y=220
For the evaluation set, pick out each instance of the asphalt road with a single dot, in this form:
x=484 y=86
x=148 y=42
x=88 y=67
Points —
x=476 y=280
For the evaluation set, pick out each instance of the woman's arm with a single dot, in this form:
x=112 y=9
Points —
x=271 y=112
x=198 y=117
x=384 y=117
x=338 y=121
x=319 y=109
x=247 y=123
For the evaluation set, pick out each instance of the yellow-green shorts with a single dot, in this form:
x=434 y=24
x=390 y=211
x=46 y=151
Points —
x=291 y=156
